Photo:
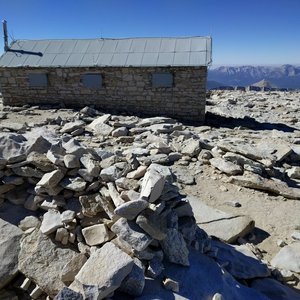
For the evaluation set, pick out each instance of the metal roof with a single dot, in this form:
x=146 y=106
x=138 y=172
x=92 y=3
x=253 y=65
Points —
x=135 y=52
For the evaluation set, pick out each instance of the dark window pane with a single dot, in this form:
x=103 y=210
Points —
x=93 y=81
x=38 y=80
x=162 y=80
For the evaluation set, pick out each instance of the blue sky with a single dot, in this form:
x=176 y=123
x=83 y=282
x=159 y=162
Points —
x=259 y=32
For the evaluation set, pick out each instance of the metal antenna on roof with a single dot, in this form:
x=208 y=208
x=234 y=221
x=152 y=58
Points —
x=5 y=35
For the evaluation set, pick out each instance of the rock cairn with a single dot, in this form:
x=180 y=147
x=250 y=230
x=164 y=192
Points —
x=120 y=213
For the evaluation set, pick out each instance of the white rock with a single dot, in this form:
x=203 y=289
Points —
x=51 y=179
x=131 y=209
x=225 y=226
x=91 y=204
x=115 y=196
x=29 y=222
x=102 y=129
x=152 y=185
x=72 y=146
x=100 y=120
x=138 y=173
x=121 y=131
x=226 y=166
x=71 y=126
x=294 y=172
x=71 y=161
x=296 y=235
x=132 y=234
x=110 y=174
x=191 y=148
x=90 y=164
x=67 y=216
x=288 y=258
x=130 y=195
x=72 y=267
x=96 y=234
x=114 y=264
x=41 y=260
x=10 y=236
x=217 y=296
x=61 y=235
x=76 y=184
x=172 y=285
x=56 y=155
x=51 y=222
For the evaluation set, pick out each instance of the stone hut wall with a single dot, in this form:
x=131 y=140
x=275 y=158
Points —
x=124 y=90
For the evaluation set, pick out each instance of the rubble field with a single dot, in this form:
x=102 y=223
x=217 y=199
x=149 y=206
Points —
x=95 y=205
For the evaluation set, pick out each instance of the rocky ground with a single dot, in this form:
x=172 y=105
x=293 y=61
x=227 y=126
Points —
x=118 y=206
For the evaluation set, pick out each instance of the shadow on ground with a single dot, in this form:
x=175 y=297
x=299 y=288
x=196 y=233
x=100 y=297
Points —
x=218 y=121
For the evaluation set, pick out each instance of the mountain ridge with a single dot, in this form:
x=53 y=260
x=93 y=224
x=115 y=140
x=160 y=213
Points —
x=284 y=76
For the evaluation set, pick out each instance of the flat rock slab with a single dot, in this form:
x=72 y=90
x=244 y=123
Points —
x=43 y=261
x=257 y=182
x=274 y=148
x=51 y=179
x=103 y=272
x=102 y=129
x=226 y=227
x=10 y=236
x=98 y=121
x=226 y=166
x=274 y=289
x=131 y=209
x=13 y=126
x=71 y=126
x=96 y=234
x=288 y=258
x=239 y=261
x=266 y=149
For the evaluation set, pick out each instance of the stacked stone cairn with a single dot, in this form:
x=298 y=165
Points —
x=105 y=220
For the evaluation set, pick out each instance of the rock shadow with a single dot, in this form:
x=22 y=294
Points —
x=259 y=235
x=13 y=214
x=218 y=121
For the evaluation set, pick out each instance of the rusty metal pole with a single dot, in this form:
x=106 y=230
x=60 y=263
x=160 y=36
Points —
x=5 y=35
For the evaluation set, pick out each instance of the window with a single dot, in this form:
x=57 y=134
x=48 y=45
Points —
x=92 y=81
x=162 y=79
x=38 y=79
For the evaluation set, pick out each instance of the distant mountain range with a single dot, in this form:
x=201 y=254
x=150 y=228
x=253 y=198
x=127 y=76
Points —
x=285 y=76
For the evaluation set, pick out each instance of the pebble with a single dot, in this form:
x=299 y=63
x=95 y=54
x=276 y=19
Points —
x=171 y=284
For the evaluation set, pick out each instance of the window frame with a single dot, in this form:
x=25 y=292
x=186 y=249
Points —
x=38 y=80
x=161 y=80
x=92 y=85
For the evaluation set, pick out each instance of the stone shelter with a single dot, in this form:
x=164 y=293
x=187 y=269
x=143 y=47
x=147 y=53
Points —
x=147 y=76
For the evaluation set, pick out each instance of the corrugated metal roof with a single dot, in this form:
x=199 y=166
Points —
x=135 y=52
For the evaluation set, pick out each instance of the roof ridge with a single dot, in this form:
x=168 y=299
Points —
x=112 y=38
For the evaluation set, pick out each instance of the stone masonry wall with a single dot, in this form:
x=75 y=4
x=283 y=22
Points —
x=124 y=90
